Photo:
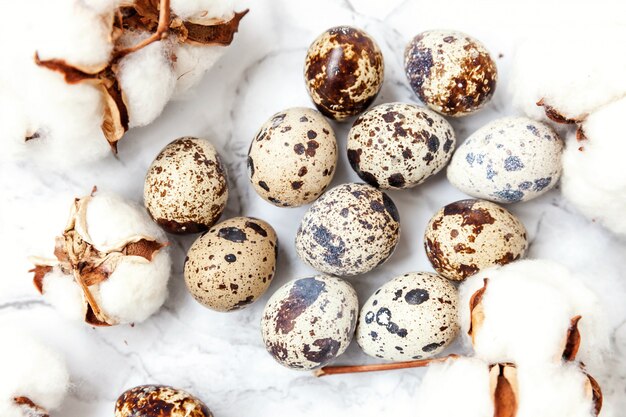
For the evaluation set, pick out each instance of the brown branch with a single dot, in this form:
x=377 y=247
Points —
x=351 y=369
x=160 y=33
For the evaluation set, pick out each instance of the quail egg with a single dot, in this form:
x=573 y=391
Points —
x=232 y=264
x=508 y=160
x=292 y=158
x=159 y=401
x=413 y=316
x=469 y=235
x=185 y=190
x=350 y=230
x=308 y=322
x=398 y=145
x=344 y=71
x=451 y=72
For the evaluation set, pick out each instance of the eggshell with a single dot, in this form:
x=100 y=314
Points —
x=350 y=230
x=451 y=72
x=185 y=189
x=232 y=264
x=398 y=145
x=292 y=158
x=308 y=322
x=344 y=71
x=508 y=160
x=413 y=316
x=469 y=235
x=159 y=401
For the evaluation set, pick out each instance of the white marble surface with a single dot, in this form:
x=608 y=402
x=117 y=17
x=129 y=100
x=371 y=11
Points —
x=220 y=357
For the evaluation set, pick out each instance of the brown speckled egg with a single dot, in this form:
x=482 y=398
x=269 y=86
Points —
x=350 y=230
x=344 y=71
x=308 y=322
x=398 y=145
x=292 y=158
x=469 y=235
x=451 y=72
x=185 y=190
x=159 y=401
x=413 y=316
x=232 y=264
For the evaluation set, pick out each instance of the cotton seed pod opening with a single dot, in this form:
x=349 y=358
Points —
x=111 y=264
x=159 y=401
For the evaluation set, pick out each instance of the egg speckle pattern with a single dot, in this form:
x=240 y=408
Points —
x=350 y=230
x=399 y=145
x=308 y=322
x=293 y=157
x=232 y=264
x=344 y=71
x=159 y=401
x=451 y=72
x=469 y=235
x=413 y=316
x=508 y=160
x=185 y=189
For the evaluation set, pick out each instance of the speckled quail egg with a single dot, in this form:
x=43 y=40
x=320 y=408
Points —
x=308 y=322
x=159 y=401
x=344 y=71
x=508 y=160
x=469 y=235
x=350 y=230
x=413 y=316
x=232 y=264
x=451 y=72
x=398 y=145
x=185 y=190
x=292 y=158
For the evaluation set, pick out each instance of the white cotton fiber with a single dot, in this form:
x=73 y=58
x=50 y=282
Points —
x=594 y=178
x=30 y=369
x=64 y=294
x=217 y=9
x=457 y=387
x=192 y=61
x=528 y=306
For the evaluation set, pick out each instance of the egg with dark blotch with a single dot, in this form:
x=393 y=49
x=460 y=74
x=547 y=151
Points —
x=508 y=160
x=185 y=189
x=413 y=316
x=159 y=401
x=344 y=70
x=399 y=145
x=293 y=157
x=308 y=322
x=451 y=72
x=349 y=230
x=469 y=235
x=233 y=264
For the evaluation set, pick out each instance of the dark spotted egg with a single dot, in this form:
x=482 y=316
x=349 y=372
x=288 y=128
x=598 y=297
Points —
x=413 y=316
x=233 y=264
x=469 y=235
x=292 y=158
x=344 y=71
x=350 y=230
x=159 y=401
x=308 y=322
x=451 y=72
x=185 y=189
x=398 y=145
x=508 y=160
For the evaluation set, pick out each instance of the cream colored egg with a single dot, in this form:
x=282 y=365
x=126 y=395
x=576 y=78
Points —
x=293 y=157
x=350 y=230
x=159 y=401
x=232 y=264
x=399 y=145
x=469 y=235
x=185 y=189
x=413 y=316
x=308 y=322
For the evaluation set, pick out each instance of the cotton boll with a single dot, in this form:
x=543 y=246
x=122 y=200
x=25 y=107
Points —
x=192 y=61
x=64 y=294
x=457 y=387
x=593 y=174
x=205 y=9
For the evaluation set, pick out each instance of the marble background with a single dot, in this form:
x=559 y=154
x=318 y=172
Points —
x=220 y=357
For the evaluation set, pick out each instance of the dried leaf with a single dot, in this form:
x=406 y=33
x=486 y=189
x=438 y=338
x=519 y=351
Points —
x=94 y=275
x=554 y=115
x=115 y=120
x=572 y=342
x=220 y=34
x=29 y=408
x=597 y=396
x=92 y=318
x=40 y=272
x=144 y=248
x=72 y=74
x=504 y=389
x=477 y=313
x=580 y=134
